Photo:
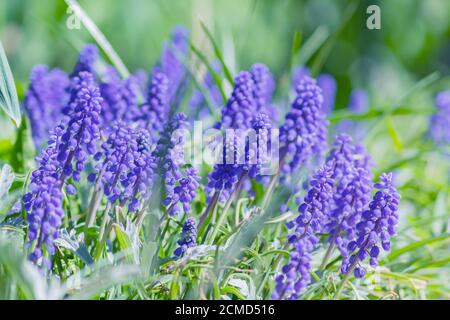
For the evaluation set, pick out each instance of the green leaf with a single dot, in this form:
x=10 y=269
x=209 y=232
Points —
x=327 y=48
x=413 y=246
x=6 y=180
x=8 y=94
x=24 y=151
x=219 y=56
x=296 y=44
x=99 y=37
x=314 y=42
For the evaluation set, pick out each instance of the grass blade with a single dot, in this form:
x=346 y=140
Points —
x=99 y=37
x=314 y=42
x=417 y=244
x=219 y=55
x=8 y=94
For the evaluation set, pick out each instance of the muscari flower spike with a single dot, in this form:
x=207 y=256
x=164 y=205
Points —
x=155 y=112
x=263 y=89
x=82 y=133
x=171 y=62
x=351 y=172
x=188 y=237
x=43 y=202
x=304 y=132
x=181 y=183
x=241 y=106
x=295 y=275
x=44 y=101
x=115 y=160
x=120 y=97
x=86 y=60
x=378 y=224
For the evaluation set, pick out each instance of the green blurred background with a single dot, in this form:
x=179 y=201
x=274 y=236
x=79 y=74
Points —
x=413 y=41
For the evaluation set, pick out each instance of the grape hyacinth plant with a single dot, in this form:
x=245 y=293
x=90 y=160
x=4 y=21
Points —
x=207 y=163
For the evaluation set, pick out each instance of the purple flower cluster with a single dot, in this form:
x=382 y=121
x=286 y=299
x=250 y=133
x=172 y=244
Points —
x=378 y=224
x=440 y=122
x=325 y=81
x=351 y=193
x=304 y=132
x=155 y=112
x=329 y=87
x=257 y=151
x=295 y=274
x=188 y=237
x=181 y=183
x=44 y=100
x=86 y=60
x=172 y=64
x=264 y=86
x=120 y=97
x=241 y=106
x=359 y=101
x=116 y=161
x=82 y=133
x=43 y=202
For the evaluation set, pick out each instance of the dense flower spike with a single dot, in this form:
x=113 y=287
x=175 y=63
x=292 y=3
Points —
x=171 y=62
x=140 y=179
x=241 y=106
x=198 y=101
x=264 y=86
x=43 y=202
x=181 y=183
x=440 y=121
x=82 y=133
x=87 y=59
x=258 y=151
x=377 y=226
x=188 y=237
x=44 y=100
x=304 y=132
x=119 y=97
x=118 y=155
x=155 y=112
x=295 y=274
x=329 y=86
x=352 y=176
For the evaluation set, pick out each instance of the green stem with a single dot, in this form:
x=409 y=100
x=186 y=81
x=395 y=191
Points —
x=227 y=206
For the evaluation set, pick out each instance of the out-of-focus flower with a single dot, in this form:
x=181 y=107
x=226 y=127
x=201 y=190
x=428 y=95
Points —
x=86 y=60
x=304 y=132
x=263 y=89
x=44 y=101
x=119 y=97
x=198 y=101
x=359 y=101
x=329 y=87
x=440 y=121
x=171 y=62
